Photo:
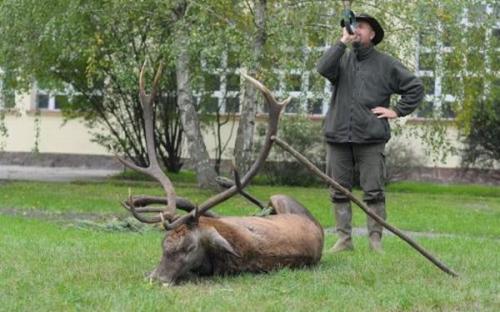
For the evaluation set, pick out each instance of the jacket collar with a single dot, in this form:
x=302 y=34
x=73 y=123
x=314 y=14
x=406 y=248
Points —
x=362 y=52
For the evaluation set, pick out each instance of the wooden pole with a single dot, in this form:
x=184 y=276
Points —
x=362 y=205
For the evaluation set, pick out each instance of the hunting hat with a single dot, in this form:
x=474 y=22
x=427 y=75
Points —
x=377 y=28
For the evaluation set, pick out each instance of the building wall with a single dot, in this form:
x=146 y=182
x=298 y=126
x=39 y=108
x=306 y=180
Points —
x=72 y=137
x=55 y=136
x=410 y=139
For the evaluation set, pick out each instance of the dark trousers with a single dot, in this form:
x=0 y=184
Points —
x=340 y=162
x=370 y=158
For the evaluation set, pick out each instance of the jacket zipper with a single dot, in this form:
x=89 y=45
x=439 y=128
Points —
x=349 y=136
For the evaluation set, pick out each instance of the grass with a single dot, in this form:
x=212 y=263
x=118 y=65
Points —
x=450 y=189
x=450 y=212
x=52 y=265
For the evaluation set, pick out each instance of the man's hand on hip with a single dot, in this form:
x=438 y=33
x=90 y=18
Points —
x=383 y=112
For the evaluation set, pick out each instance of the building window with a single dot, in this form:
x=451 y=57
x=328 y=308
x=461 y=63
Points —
x=209 y=105
x=425 y=109
x=233 y=82
x=447 y=110
x=42 y=101
x=221 y=85
x=427 y=61
x=7 y=100
x=294 y=83
x=315 y=106
x=54 y=101
x=232 y=105
x=429 y=85
x=212 y=82
x=293 y=107
x=435 y=55
x=7 y=97
x=49 y=101
x=495 y=37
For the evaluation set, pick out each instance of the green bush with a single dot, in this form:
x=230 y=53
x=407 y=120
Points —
x=482 y=142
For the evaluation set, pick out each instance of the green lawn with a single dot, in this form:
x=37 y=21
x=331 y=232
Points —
x=49 y=262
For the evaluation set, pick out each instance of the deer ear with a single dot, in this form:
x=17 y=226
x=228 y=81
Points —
x=216 y=240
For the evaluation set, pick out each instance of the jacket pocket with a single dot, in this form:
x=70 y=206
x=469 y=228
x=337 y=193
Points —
x=377 y=129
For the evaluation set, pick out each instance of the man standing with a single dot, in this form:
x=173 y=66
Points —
x=356 y=125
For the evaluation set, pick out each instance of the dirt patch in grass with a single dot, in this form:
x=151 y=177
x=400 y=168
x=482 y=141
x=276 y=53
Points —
x=53 y=216
x=91 y=221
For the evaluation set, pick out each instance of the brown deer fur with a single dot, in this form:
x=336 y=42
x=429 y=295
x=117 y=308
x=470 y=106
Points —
x=290 y=238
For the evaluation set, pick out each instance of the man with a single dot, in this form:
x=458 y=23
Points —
x=356 y=125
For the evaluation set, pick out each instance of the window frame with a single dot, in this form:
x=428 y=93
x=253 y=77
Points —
x=52 y=101
x=440 y=99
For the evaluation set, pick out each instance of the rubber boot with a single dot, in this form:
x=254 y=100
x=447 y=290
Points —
x=343 y=216
x=374 y=228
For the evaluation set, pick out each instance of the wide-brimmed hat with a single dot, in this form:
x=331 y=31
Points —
x=377 y=28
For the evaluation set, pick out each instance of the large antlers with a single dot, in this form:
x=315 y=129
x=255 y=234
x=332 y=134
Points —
x=153 y=169
x=168 y=215
x=275 y=109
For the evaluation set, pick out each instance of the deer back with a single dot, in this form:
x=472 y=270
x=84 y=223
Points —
x=265 y=244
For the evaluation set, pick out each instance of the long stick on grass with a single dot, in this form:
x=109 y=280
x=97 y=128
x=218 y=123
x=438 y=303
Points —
x=362 y=205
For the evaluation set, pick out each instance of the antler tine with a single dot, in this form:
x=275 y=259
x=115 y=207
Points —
x=275 y=109
x=130 y=164
x=227 y=183
x=197 y=213
x=137 y=215
x=154 y=170
x=145 y=200
x=265 y=91
x=140 y=205
x=239 y=187
x=237 y=180
x=271 y=100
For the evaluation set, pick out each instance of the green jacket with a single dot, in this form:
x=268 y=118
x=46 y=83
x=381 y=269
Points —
x=364 y=78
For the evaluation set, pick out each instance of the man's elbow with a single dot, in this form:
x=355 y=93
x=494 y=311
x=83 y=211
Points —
x=420 y=91
x=320 y=68
x=325 y=73
x=416 y=91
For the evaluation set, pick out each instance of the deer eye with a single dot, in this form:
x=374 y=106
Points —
x=189 y=248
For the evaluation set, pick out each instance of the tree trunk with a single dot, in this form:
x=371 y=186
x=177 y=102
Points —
x=190 y=122
x=243 y=146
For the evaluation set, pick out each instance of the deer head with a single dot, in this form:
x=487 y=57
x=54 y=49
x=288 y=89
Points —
x=187 y=249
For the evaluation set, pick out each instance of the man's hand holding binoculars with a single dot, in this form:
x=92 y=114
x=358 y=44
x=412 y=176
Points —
x=347 y=37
